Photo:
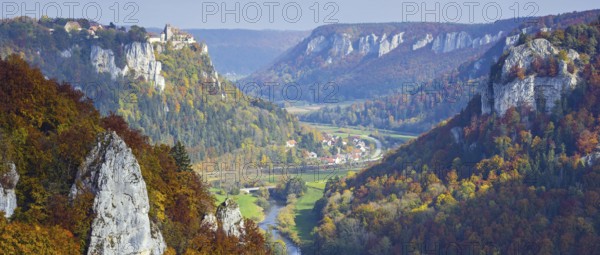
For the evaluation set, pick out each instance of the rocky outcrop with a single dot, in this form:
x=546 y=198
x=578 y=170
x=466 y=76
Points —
x=505 y=93
x=510 y=41
x=230 y=217
x=385 y=45
x=592 y=158
x=104 y=62
x=139 y=58
x=457 y=134
x=121 y=204
x=487 y=39
x=66 y=53
x=8 y=181
x=373 y=44
x=422 y=42
x=366 y=44
x=341 y=45
x=210 y=221
x=316 y=45
x=448 y=42
x=452 y=41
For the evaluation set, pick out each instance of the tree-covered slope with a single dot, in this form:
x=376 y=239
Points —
x=416 y=104
x=525 y=181
x=196 y=106
x=46 y=131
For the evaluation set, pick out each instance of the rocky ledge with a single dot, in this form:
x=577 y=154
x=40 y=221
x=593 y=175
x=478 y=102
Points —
x=122 y=226
x=229 y=217
x=531 y=88
x=8 y=181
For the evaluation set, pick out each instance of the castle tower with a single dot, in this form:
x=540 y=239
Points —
x=168 y=32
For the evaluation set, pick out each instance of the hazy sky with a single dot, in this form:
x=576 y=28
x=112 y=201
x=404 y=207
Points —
x=293 y=15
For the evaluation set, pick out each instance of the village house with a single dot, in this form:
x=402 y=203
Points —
x=94 y=29
x=72 y=26
x=329 y=139
x=95 y=26
x=290 y=144
x=340 y=159
x=328 y=160
x=357 y=153
x=309 y=154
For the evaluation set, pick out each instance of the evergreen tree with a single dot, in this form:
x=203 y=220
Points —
x=182 y=159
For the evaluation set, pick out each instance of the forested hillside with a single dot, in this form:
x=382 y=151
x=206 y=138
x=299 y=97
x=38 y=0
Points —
x=521 y=182
x=195 y=106
x=418 y=106
x=46 y=131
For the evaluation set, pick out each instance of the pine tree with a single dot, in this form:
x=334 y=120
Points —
x=182 y=159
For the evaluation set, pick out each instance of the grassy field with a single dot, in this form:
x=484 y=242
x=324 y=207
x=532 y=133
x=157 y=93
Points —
x=246 y=202
x=301 y=108
x=363 y=132
x=305 y=219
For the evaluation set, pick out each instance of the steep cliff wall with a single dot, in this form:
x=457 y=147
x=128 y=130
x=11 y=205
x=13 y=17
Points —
x=338 y=45
x=229 y=217
x=532 y=88
x=8 y=182
x=452 y=41
x=139 y=59
x=121 y=204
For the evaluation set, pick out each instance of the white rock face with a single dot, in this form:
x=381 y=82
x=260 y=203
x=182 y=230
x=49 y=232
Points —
x=139 y=59
x=121 y=203
x=451 y=41
x=316 y=45
x=457 y=134
x=525 y=92
x=228 y=213
x=8 y=182
x=366 y=44
x=210 y=221
x=373 y=44
x=104 y=62
x=459 y=40
x=510 y=41
x=204 y=49
x=423 y=42
x=341 y=45
x=386 y=45
x=486 y=39
x=593 y=158
x=66 y=53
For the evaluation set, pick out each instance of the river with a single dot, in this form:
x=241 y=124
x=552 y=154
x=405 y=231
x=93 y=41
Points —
x=271 y=220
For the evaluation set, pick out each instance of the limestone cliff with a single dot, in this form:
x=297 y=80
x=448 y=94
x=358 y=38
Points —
x=8 y=182
x=531 y=89
x=452 y=41
x=139 y=58
x=104 y=62
x=339 y=45
x=422 y=42
x=232 y=222
x=228 y=217
x=121 y=204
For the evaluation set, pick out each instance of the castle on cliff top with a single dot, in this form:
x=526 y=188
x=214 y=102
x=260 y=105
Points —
x=173 y=35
